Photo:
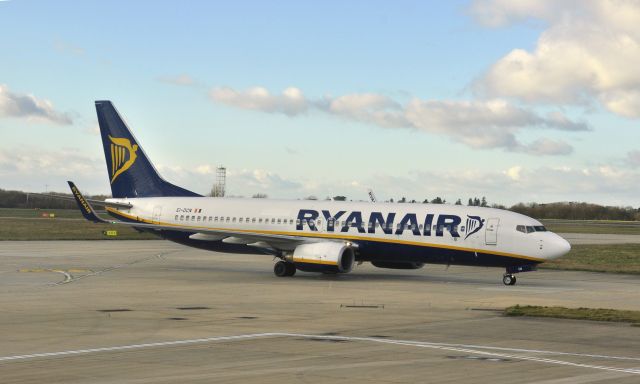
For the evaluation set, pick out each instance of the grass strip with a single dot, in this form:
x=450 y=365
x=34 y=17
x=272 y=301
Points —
x=592 y=314
x=28 y=224
x=614 y=258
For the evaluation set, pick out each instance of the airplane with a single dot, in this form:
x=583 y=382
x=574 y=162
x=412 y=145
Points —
x=311 y=235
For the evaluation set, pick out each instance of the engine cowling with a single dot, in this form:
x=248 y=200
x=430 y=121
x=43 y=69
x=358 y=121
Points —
x=397 y=264
x=326 y=257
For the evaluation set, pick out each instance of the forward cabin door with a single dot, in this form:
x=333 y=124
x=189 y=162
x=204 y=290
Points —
x=491 y=231
x=157 y=214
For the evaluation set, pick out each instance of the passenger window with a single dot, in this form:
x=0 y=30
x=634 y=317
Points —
x=279 y=221
x=273 y=220
x=233 y=220
x=462 y=229
x=176 y=217
x=181 y=217
x=297 y=221
x=210 y=218
x=198 y=218
x=260 y=220
x=240 y=220
x=253 y=220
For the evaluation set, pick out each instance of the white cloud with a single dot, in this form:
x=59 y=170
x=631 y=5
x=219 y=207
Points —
x=183 y=80
x=546 y=146
x=67 y=161
x=514 y=172
x=604 y=184
x=478 y=123
x=245 y=182
x=290 y=102
x=68 y=48
x=633 y=159
x=586 y=54
x=31 y=168
x=29 y=107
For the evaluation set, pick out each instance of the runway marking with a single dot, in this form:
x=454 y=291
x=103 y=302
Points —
x=470 y=349
x=112 y=268
x=67 y=275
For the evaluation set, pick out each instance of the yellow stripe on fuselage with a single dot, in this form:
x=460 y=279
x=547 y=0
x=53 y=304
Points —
x=330 y=236
x=308 y=261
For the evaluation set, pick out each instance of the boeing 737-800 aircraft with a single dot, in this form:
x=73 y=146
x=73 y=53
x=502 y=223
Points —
x=313 y=236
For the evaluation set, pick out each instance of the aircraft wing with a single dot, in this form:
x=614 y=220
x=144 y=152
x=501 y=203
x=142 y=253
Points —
x=228 y=236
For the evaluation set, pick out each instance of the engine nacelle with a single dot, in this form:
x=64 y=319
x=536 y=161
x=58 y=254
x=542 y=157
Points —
x=326 y=257
x=398 y=264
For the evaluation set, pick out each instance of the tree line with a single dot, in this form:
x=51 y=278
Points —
x=563 y=210
x=19 y=199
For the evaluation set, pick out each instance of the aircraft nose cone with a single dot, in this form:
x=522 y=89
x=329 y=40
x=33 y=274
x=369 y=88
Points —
x=557 y=246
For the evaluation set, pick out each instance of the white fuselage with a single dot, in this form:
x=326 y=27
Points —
x=482 y=231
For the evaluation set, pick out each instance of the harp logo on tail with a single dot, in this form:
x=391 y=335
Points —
x=474 y=224
x=123 y=155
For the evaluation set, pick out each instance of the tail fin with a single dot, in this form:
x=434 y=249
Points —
x=130 y=172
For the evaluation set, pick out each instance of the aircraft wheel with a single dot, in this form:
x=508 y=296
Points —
x=509 y=280
x=291 y=269
x=280 y=269
x=284 y=269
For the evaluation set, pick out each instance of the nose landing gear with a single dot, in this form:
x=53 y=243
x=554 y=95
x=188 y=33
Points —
x=509 y=277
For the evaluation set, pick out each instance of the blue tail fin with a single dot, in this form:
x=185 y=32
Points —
x=130 y=172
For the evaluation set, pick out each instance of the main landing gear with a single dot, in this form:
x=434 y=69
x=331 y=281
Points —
x=284 y=269
x=508 y=279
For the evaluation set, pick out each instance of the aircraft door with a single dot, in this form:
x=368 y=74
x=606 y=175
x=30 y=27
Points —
x=491 y=231
x=157 y=214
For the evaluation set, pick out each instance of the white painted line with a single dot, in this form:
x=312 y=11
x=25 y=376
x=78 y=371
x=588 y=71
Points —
x=472 y=349
x=135 y=346
x=536 y=351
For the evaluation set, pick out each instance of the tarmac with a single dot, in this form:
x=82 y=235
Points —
x=157 y=312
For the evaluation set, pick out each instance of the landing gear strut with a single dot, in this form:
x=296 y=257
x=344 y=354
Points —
x=284 y=269
x=509 y=279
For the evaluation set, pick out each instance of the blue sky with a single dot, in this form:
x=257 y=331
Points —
x=516 y=101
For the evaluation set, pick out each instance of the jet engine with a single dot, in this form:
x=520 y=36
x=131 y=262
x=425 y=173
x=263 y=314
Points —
x=398 y=264
x=325 y=257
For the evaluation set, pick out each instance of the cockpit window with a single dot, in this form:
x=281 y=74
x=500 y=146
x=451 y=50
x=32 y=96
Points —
x=530 y=228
